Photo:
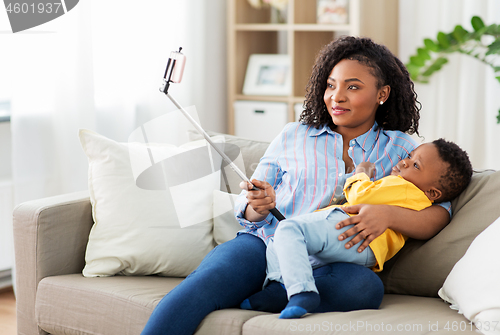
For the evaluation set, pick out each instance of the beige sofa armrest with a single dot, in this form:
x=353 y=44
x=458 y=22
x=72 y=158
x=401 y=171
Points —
x=50 y=238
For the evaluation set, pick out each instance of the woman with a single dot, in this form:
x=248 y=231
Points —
x=359 y=104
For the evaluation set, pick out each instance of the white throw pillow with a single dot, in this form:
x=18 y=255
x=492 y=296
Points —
x=137 y=231
x=472 y=286
x=225 y=224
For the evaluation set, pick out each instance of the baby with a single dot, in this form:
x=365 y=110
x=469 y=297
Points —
x=433 y=172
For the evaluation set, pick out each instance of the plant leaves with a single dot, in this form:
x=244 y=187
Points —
x=423 y=54
x=460 y=33
x=477 y=23
x=494 y=48
x=418 y=61
x=441 y=61
x=431 y=45
x=433 y=68
x=443 y=40
x=493 y=29
x=459 y=40
x=413 y=70
x=476 y=35
x=452 y=40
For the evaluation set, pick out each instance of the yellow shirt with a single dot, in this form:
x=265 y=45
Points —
x=390 y=190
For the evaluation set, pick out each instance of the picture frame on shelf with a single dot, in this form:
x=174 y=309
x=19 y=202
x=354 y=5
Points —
x=268 y=74
x=332 y=11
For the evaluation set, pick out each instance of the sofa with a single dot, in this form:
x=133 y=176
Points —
x=51 y=238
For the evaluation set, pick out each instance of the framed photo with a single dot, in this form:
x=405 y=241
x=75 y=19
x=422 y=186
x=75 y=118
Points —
x=268 y=74
x=333 y=11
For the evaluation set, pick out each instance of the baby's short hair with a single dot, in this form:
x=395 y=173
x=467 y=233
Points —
x=459 y=173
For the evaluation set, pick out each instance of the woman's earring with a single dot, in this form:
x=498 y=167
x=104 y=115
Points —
x=381 y=102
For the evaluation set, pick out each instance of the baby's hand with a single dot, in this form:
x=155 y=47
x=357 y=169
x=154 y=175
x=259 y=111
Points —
x=367 y=168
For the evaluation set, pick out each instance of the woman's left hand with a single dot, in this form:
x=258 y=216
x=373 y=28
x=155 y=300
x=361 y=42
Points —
x=370 y=222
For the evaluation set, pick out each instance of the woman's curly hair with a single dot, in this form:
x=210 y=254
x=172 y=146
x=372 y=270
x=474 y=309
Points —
x=400 y=112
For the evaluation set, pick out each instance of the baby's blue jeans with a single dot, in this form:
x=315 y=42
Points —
x=310 y=238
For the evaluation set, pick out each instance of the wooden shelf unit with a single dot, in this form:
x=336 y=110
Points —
x=250 y=32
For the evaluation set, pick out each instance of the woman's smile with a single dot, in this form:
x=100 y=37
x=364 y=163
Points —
x=336 y=110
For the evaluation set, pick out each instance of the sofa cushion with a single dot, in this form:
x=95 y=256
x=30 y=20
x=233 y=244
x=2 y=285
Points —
x=472 y=285
x=247 y=152
x=73 y=304
x=421 y=267
x=225 y=224
x=251 y=151
x=138 y=230
x=397 y=315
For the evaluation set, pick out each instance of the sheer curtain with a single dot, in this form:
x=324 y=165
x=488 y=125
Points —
x=99 y=67
x=461 y=101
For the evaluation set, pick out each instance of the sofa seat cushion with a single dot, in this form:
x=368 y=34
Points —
x=398 y=314
x=73 y=304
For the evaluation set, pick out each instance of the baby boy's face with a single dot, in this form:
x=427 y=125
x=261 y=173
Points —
x=423 y=167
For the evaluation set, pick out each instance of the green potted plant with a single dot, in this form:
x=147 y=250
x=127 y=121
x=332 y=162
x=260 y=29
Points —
x=483 y=44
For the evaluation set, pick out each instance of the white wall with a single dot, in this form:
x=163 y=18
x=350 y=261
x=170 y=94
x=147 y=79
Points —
x=5 y=151
x=209 y=75
x=6 y=204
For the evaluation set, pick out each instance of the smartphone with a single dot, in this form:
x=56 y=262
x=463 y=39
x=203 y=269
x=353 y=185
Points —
x=174 y=70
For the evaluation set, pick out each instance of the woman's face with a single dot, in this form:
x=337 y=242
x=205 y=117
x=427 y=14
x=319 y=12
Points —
x=352 y=97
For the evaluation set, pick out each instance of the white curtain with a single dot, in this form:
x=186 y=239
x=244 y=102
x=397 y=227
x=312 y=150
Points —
x=99 y=67
x=461 y=101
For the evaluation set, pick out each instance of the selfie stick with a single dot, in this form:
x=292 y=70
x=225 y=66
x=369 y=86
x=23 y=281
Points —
x=173 y=74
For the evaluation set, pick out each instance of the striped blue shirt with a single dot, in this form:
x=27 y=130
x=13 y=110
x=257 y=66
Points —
x=305 y=167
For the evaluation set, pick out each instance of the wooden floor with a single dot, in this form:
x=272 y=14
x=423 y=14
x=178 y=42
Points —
x=7 y=312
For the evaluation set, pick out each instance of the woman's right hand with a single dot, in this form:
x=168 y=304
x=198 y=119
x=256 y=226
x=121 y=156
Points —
x=260 y=201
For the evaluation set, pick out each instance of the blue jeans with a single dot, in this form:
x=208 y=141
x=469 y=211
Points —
x=236 y=269
x=313 y=235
